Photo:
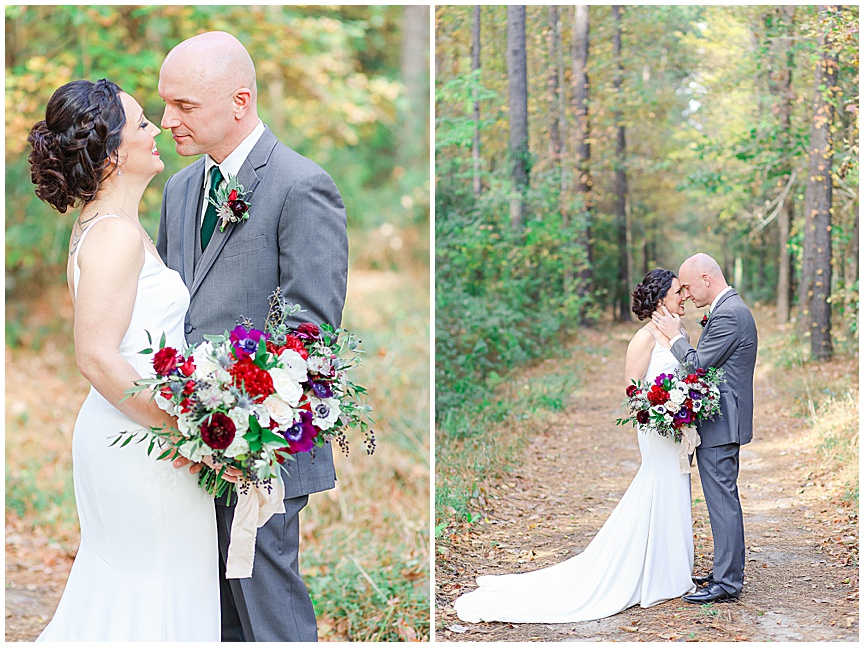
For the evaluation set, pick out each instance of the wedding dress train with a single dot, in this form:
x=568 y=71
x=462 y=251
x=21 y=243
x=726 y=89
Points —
x=147 y=566
x=642 y=555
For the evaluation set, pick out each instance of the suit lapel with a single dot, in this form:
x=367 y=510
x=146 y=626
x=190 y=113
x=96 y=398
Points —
x=249 y=178
x=723 y=300
x=191 y=208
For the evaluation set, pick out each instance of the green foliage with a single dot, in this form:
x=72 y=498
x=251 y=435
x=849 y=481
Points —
x=482 y=440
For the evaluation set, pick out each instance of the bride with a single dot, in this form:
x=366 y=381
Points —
x=147 y=566
x=643 y=554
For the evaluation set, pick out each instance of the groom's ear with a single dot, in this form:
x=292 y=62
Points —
x=242 y=102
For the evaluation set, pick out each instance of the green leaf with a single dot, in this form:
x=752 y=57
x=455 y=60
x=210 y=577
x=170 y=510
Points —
x=253 y=436
x=267 y=436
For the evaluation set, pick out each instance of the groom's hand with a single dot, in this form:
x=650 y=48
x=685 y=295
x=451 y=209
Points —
x=668 y=323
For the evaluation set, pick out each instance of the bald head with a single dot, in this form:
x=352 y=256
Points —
x=703 y=264
x=208 y=85
x=701 y=279
x=215 y=57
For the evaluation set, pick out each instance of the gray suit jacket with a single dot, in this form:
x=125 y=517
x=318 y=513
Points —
x=729 y=341
x=295 y=238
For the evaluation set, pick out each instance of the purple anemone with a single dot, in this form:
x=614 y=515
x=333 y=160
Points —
x=245 y=342
x=301 y=435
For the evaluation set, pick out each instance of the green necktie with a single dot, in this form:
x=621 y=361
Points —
x=208 y=225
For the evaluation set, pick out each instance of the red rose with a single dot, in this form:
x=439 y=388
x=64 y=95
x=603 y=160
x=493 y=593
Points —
x=642 y=417
x=308 y=331
x=166 y=392
x=701 y=372
x=189 y=387
x=295 y=343
x=165 y=360
x=219 y=431
x=657 y=395
x=233 y=195
x=188 y=366
x=631 y=390
x=256 y=381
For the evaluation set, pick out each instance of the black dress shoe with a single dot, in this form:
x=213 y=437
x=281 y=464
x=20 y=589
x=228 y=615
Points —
x=713 y=592
x=703 y=579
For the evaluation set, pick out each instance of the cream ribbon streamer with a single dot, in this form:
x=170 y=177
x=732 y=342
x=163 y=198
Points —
x=690 y=440
x=254 y=508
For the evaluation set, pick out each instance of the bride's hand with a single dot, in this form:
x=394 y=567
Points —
x=232 y=475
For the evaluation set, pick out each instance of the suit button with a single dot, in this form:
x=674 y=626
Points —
x=189 y=328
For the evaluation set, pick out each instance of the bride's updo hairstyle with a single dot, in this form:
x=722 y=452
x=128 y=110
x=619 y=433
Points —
x=653 y=287
x=74 y=143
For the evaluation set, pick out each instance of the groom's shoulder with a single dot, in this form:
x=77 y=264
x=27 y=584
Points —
x=184 y=174
x=288 y=160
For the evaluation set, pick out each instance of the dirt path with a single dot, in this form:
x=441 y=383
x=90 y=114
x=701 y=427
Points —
x=801 y=580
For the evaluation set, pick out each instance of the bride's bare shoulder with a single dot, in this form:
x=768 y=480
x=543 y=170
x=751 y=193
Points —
x=642 y=340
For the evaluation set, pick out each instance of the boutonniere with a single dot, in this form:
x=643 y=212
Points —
x=704 y=320
x=231 y=202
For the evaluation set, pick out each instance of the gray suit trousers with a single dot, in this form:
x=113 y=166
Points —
x=718 y=470
x=250 y=605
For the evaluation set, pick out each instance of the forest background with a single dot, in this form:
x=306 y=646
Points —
x=578 y=147
x=347 y=87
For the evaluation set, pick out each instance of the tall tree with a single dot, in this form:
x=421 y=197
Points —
x=475 y=68
x=581 y=140
x=517 y=78
x=781 y=63
x=815 y=286
x=553 y=87
x=623 y=283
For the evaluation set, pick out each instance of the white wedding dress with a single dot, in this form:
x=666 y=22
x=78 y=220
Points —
x=147 y=566
x=642 y=555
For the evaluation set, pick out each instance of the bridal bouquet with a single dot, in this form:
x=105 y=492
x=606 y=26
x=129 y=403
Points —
x=673 y=404
x=250 y=399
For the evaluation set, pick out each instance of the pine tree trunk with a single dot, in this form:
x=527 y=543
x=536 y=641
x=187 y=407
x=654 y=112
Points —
x=553 y=90
x=475 y=66
x=581 y=142
x=815 y=287
x=784 y=55
x=517 y=76
x=623 y=289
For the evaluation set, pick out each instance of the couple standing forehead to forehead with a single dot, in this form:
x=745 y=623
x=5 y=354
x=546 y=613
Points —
x=151 y=565
x=644 y=553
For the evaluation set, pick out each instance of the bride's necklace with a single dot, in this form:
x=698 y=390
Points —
x=120 y=209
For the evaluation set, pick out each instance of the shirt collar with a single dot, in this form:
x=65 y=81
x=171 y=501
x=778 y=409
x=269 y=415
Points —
x=231 y=164
x=717 y=298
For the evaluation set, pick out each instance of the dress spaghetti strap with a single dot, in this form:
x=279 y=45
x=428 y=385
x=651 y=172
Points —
x=84 y=235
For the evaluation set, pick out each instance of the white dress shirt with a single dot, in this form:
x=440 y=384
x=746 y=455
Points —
x=231 y=164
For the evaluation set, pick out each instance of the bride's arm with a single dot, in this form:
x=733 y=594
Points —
x=638 y=356
x=110 y=262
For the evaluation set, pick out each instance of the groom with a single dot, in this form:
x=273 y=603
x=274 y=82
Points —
x=295 y=238
x=729 y=342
